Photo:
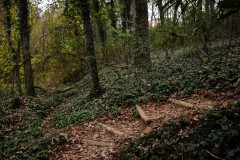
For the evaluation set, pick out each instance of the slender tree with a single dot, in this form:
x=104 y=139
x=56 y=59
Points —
x=100 y=22
x=113 y=17
x=126 y=15
x=25 y=45
x=212 y=9
x=175 y=13
x=184 y=5
x=15 y=55
x=207 y=5
x=161 y=11
x=90 y=45
x=142 y=52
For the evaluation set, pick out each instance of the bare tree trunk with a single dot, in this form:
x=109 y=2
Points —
x=132 y=15
x=126 y=15
x=160 y=8
x=207 y=3
x=142 y=53
x=12 y=50
x=100 y=22
x=90 y=45
x=212 y=10
x=113 y=18
x=152 y=15
x=25 y=41
x=183 y=13
x=175 y=14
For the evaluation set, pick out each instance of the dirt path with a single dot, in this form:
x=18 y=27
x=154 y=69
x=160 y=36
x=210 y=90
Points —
x=93 y=141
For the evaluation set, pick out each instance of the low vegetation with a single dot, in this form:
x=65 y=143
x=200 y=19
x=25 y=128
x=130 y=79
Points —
x=212 y=134
x=26 y=135
x=70 y=62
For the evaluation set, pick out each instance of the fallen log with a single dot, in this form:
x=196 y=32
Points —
x=147 y=131
x=207 y=106
x=97 y=143
x=143 y=115
x=181 y=103
x=110 y=129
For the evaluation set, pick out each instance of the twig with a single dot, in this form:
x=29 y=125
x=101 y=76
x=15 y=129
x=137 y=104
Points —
x=213 y=155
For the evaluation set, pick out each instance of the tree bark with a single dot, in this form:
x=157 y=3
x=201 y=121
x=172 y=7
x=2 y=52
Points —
x=207 y=6
x=183 y=13
x=126 y=15
x=142 y=52
x=25 y=46
x=160 y=8
x=90 y=45
x=212 y=9
x=175 y=13
x=113 y=18
x=101 y=31
x=12 y=50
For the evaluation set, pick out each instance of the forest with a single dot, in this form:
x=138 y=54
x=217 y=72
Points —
x=119 y=79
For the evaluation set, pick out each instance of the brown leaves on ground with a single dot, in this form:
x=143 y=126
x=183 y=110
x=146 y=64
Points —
x=131 y=125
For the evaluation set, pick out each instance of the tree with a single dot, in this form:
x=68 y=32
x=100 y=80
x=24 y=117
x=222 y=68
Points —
x=161 y=12
x=90 y=45
x=113 y=17
x=15 y=55
x=175 y=11
x=25 y=45
x=100 y=22
x=126 y=15
x=142 y=53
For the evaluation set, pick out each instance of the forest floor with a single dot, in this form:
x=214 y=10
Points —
x=91 y=140
x=70 y=124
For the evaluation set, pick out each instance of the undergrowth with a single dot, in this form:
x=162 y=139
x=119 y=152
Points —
x=23 y=135
x=214 y=135
x=184 y=74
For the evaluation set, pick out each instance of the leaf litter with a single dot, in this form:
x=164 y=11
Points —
x=130 y=124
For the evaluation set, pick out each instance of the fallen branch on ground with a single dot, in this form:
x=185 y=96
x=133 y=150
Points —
x=143 y=115
x=112 y=130
x=147 y=131
x=181 y=103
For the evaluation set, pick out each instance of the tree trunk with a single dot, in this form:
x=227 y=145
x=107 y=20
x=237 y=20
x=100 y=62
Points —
x=175 y=10
x=207 y=6
x=126 y=15
x=152 y=22
x=212 y=9
x=183 y=13
x=199 y=5
x=113 y=18
x=100 y=22
x=142 y=52
x=12 y=50
x=160 y=8
x=90 y=45
x=25 y=45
